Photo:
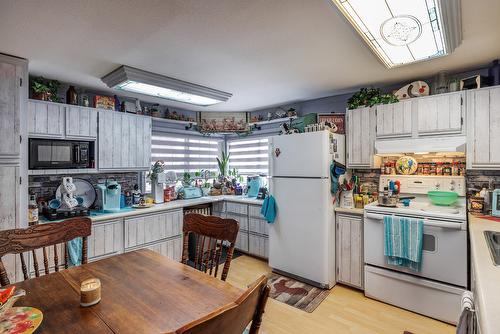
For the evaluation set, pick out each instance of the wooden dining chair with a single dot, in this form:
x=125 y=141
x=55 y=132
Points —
x=210 y=234
x=235 y=317
x=19 y=241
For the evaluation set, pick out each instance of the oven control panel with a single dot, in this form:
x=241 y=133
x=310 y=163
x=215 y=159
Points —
x=419 y=184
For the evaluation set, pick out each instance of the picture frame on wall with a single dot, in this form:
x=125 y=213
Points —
x=216 y=122
x=336 y=119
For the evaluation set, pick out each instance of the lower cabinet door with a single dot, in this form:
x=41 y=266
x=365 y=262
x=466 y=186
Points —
x=242 y=241
x=258 y=245
x=170 y=248
x=349 y=247
x=106 y=239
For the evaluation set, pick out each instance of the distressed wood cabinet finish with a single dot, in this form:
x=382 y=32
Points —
x=11 y=99
x=46 y=119
x=81 y=122
x=170 y=248
x=258 y=245
x=440 y=114
x=146 y=229
x=124 y=141
x=242 y=241
x=106 y=239
x=349 y=244
x=394 y=120
x=360 y=138
x=483 y=128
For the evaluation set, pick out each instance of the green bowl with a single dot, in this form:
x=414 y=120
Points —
x=442 y=197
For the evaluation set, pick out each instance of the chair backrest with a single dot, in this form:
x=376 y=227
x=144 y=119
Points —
x=236 y=316
x=210 y=233
x=19 y=241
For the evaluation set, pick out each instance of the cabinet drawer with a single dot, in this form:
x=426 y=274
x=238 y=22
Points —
x=242 y=241
x=150 y=228
x=258 y=226
x=106 y=239
x=170 y=248
x=258 y=245
x=238 y=208
x=254 y=211
x=243 y=220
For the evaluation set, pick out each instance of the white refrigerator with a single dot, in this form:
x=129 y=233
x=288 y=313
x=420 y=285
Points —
x=302 y=238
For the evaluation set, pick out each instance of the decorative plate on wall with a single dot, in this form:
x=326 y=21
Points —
x=406 y=165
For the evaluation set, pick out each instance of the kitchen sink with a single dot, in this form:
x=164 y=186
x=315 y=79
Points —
x=493 y=241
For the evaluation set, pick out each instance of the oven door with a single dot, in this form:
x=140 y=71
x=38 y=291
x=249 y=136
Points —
x=444 y=254
x=51 y=154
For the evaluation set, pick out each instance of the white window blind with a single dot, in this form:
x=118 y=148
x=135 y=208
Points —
x=249 y=156
x=184 y=153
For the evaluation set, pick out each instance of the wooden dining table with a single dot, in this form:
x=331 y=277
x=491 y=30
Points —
x=142 y=292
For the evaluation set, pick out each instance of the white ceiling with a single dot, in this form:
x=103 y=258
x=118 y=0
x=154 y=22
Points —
x=264 y=52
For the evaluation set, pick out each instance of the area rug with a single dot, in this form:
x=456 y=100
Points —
x=300 y=295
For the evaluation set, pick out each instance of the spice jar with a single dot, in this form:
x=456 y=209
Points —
x=439 y=168
x=447 y=169
x=420 y=169
x=432 y=168
x=425 y=169
x=454 y=169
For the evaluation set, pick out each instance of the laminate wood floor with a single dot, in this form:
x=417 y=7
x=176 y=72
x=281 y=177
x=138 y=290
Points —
x=345 y=310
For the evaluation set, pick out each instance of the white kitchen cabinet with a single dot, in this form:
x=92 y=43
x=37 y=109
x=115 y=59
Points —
x=483 y=128
x=259 y=226
x=46 y=119
x=241 y=219
x=258 y=245
x=124 y=141
x=238 y=208
x=147 y=229
x=11 y=100
x=106 y=239
x=80 y=122
x=440 y=114
x=349 y=244
x=361 y=138
x=394 y=120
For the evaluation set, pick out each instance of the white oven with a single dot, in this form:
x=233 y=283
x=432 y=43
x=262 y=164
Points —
x=444 y=253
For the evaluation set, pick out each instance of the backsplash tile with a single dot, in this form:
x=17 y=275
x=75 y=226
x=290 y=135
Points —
x=477 y=179
x=45 y=186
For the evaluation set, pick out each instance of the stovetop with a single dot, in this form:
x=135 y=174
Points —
x=422 y=207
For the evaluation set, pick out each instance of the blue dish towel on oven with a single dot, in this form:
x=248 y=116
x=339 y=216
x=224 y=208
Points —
x=403 y=241
x=75 y=251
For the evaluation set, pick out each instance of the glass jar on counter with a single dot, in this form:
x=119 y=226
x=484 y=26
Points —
x=432 y=168
x=425 y=168
x=455 y=170
x=439 y=168
x=447 y=169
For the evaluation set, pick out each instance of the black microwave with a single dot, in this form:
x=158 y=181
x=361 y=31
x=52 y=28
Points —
x=63 y=154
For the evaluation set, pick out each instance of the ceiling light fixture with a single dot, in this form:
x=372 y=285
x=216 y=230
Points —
x=400 y=32
x=138 y=81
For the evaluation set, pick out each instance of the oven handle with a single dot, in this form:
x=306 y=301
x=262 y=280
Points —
x=456 y=226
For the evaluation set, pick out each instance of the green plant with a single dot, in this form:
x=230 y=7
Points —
x=369 y=97
x=47 y=87
x=157 y=168
x=223 y=163
x=186 y=179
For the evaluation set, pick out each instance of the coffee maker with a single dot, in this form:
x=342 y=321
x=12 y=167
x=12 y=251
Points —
x=108 y=196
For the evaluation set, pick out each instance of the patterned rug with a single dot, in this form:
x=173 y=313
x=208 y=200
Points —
x=300 y=295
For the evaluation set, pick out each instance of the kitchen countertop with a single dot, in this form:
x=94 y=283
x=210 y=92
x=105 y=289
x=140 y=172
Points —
x=352 y=211
x=487 y=275
x=177 y=204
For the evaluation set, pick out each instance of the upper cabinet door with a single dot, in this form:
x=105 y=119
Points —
x=440 y=114
x=10 y=101
x=360 y=138
x=394 y=120
x=483 y=128
x=46 y=119
x=81 y=122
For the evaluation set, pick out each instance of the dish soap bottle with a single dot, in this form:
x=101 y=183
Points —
x=32 y=210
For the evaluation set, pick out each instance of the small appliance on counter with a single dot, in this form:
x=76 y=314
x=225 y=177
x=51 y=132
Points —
x=108 y=196
x=495 y=203
x=66 y=204
x=190 y=193
x=157 y=187
x=254 y=183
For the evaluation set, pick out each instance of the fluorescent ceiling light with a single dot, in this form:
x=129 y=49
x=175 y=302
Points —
x=405 y=31
x=137 y=81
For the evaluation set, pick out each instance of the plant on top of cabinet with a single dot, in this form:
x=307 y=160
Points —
x=45 y=89
x=368 y=97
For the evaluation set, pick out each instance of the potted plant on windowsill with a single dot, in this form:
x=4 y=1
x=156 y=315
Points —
x=45 y=89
